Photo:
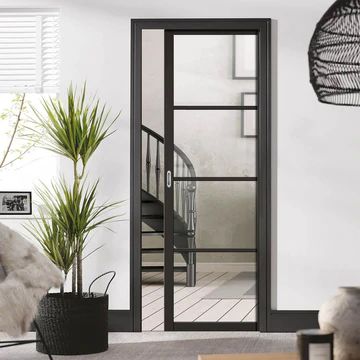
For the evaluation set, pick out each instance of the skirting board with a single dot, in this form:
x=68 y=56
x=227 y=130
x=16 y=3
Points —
x=120 y=321
x=292 y=320
x=279 y=321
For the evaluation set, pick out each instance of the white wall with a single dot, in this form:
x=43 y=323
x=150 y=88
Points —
x=95 y=47
x=315 y=162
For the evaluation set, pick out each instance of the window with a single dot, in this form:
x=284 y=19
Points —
x=29 y=48
x=29 y=70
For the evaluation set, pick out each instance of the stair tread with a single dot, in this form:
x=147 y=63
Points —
x=152 y=233
x=161 y=233
x=156 y=216
x=161 y=268
x=152 y=250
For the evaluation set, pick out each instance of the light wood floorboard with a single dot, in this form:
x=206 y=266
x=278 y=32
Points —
x=251 y=316
x=155 y=319
x=148 y=275
x=158 y=283
x=156 y=292
x=217 y=311
x=196 y=310
x=191 y=304
x=198 y=295
x=239 y=311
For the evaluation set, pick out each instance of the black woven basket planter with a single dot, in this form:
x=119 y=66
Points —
x=73 y=325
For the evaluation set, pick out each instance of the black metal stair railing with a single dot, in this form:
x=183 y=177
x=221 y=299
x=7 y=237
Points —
x=184 y=192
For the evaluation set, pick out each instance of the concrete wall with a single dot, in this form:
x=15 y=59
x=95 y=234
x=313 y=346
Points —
x=315 y=159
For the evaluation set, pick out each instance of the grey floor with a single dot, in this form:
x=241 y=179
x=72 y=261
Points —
x=170 y=345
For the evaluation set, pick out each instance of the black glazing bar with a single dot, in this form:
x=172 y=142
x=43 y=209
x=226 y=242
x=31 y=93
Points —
x=214 y=107
x=215 y=326
x=216 y=178
x=214 y=250
x=169 y=193
x=216 y=32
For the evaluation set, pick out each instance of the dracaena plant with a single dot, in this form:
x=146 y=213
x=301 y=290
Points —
x=69 y=211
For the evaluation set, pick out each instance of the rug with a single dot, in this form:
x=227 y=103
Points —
x=171 y=350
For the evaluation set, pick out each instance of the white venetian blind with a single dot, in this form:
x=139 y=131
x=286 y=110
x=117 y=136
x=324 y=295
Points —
x=29 y=50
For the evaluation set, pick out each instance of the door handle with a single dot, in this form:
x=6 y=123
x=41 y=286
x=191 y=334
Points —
x=168 y=179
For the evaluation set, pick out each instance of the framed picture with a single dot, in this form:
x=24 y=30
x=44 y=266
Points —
x=249 y=117
x=245 y=57
x=15 y=203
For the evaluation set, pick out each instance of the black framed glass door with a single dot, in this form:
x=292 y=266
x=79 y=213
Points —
x=215 y=178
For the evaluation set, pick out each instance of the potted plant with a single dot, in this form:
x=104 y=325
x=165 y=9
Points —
x=72 y=322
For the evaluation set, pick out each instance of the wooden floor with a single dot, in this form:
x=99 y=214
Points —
x=190 y=303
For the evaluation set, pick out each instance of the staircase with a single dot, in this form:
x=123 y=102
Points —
x=153 y=205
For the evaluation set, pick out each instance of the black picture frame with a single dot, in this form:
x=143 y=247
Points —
x=235 y=70
x=16 y=194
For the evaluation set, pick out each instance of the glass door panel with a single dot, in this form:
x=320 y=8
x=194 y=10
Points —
x=211 y=150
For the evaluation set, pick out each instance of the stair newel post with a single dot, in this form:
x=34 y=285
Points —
x=148 y=163
x=157 y=168
x=177 y=184
x=191 y=215
x=183 y=192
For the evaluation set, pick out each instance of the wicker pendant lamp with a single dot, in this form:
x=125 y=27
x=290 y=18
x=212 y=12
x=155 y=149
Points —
x=334 y=54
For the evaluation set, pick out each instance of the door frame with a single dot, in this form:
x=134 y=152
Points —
x=263 y=28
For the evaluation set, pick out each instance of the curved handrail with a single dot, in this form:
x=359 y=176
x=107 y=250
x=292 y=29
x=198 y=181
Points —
x=182 y=155
x=188 y=198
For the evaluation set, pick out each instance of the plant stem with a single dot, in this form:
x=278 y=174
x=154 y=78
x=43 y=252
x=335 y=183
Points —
x=7 y=151
x=79 y=279
x=62 y=290
x=76 y=177
x=73 y=277
x=79 y=274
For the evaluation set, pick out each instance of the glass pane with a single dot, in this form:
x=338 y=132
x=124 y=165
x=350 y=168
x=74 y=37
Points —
x=209 y=214
x=225 y=291
x=152 y=177
x=152 y=78
x=217 y=142
x=152 y=112
x=214 y=69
